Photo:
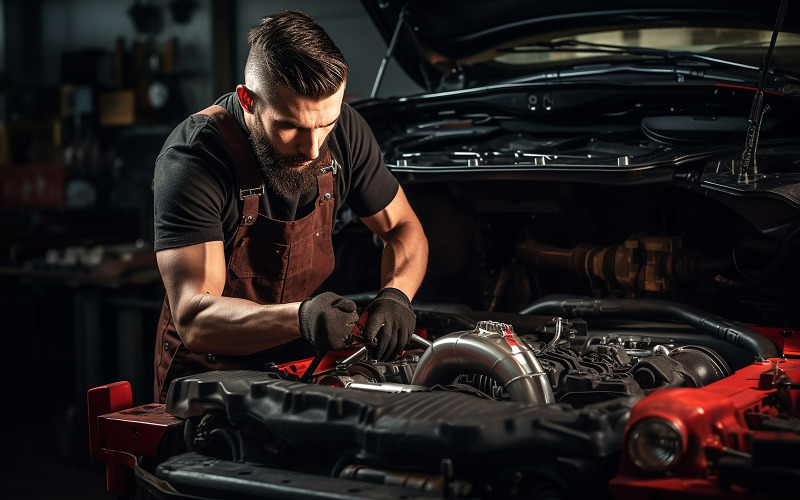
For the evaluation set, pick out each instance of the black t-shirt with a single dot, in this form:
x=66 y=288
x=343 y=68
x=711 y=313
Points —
x=195 y=180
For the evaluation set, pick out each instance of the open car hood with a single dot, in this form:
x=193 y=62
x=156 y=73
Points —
x=437 y=39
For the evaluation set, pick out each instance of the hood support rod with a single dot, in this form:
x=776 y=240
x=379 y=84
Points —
x=748 y=171
x=389 y=51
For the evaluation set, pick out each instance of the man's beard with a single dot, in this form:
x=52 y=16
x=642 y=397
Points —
x=281 y=171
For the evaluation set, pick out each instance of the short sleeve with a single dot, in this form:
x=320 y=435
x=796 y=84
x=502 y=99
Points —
x=190 y=188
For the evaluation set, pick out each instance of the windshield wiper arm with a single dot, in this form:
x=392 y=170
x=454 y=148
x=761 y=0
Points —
x=607 y=48
x=587 y=70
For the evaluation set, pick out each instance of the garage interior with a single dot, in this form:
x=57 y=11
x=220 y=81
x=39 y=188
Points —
x=89 y=89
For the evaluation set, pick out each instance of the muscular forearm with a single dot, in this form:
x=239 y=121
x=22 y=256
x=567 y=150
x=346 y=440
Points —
x=227 y=325
x=405 y=258
x=194 y=277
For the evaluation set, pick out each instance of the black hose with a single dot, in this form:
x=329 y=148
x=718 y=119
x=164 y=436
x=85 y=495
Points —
x=224 y=434
x=734 y=332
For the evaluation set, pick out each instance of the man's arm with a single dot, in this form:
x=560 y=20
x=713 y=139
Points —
x=405 y=251
x=194 y=278
x=390 y=320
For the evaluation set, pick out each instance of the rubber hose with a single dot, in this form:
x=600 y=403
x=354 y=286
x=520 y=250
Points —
x=734 y=332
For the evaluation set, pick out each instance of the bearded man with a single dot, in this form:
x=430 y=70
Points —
x=246 y=195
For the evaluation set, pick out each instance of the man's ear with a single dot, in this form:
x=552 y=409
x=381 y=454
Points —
x=245 y=98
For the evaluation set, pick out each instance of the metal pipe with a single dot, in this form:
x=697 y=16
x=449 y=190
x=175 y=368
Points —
x=491 y=349
x=384 y=387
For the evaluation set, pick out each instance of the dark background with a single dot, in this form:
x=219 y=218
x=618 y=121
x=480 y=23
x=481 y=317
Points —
x=80 y=127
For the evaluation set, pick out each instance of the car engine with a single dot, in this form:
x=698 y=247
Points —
x=558 y=362
x=472 y=413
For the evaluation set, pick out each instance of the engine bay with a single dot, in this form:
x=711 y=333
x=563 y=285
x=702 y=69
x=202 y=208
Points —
x=485 y=411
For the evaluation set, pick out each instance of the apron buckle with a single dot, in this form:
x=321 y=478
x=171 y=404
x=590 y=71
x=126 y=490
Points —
x=245 y=193
x=333 y=167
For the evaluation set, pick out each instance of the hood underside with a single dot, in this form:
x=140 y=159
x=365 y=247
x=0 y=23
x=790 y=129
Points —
x=435 y=36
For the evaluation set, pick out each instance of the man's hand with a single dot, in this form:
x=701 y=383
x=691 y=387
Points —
x=327 y=320
x=390 y=322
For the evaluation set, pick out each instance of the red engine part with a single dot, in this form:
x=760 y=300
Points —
x=787 y=339
x=713 y=420
x=115 y=426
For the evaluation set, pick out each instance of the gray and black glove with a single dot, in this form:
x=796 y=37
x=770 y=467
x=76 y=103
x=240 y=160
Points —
x=390 y=322
x=327 y=321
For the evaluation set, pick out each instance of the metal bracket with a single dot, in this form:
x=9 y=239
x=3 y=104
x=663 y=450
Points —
x=245 y=193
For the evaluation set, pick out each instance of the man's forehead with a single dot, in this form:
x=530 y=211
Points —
x=287 y=105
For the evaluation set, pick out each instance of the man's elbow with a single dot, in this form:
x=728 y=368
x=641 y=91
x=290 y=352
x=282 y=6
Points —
x=189 y=324
x=190 y=335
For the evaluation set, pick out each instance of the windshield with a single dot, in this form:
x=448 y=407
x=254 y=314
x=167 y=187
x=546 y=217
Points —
x=742 y=42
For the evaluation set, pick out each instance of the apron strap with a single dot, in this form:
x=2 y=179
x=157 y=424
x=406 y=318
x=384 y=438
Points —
x=250 y=184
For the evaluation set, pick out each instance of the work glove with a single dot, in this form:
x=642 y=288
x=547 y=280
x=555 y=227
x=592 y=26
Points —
x=390 y=322
x=327 y=321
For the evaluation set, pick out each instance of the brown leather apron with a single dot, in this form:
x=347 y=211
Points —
x=272 y=262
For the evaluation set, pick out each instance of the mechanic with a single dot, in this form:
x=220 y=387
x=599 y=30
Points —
x=246 y=195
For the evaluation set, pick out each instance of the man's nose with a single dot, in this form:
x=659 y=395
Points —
x=311 y=142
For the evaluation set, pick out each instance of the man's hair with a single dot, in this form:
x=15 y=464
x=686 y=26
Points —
x=291 y=49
